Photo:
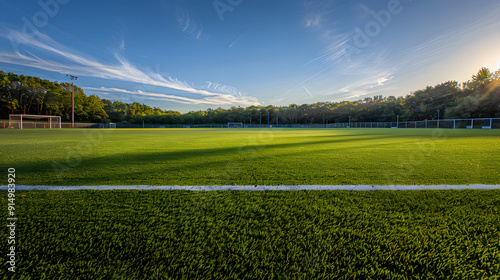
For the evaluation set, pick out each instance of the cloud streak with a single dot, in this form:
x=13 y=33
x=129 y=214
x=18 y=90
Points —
x=187 y=24
x=210 y=100
x=362 y=87
x=308 y=93
x=234 y=42
x=223 y=89
x=79 y=64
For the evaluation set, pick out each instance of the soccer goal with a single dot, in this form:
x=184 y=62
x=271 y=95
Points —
x=34 y=121
x=234 y=125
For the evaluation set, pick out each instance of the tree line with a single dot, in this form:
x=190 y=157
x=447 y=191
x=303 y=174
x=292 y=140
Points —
x=21 y=94
x=476 y=98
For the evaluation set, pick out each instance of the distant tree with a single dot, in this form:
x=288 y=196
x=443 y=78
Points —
x=496 y=75
x=483 y=76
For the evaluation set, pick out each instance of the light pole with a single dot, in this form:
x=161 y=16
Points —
x=72 y=99
x=438 y=118
x=397 y=122
x=349 y=121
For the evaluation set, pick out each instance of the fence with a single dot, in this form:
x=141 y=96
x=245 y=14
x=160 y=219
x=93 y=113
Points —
x=120 y=125
x=483 y=123
x=34 y=124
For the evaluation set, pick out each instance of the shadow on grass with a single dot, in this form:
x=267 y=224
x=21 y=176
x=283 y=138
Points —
x=147 y=165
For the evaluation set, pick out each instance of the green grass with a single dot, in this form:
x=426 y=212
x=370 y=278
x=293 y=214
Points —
x=256 y=235
x=252 y=157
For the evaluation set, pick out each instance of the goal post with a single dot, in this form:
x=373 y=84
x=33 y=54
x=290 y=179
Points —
x=235 y=125
x=110 y=125
x=34 y=121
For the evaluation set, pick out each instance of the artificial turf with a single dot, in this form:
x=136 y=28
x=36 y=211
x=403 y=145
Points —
x=251 y=156
x=131 y=234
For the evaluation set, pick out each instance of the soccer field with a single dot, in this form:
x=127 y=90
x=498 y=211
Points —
x=252 y=157
x=153 y=234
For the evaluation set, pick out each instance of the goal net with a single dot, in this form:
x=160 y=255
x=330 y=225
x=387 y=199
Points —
x=235 y=125
x=34 y=121
x=110 y=125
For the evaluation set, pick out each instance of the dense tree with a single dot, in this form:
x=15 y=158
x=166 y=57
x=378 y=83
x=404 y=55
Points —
x=32 y=95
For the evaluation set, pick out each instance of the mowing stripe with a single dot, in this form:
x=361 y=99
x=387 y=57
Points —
x=260 y=188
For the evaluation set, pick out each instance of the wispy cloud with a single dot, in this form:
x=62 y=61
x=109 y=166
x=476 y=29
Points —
x=336 y=52
x=361 y=87
x=187 y=23
x=368 y=70
x=65 y=60
x=370 y=82
x=223 y=89
x=210 y=100
x=122 y=45
x=381 y=81
x=338 y=58
x=319 y=13
x=312 y=19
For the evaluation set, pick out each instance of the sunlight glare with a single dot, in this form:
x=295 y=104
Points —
x=496 y=65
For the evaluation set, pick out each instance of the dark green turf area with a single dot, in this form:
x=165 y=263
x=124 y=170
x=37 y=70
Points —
x=256 y=235
x=252 y=157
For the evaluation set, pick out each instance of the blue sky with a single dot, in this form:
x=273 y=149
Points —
x=198 y=54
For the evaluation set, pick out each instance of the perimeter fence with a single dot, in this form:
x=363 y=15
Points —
x=482 y=123
x=478 y=123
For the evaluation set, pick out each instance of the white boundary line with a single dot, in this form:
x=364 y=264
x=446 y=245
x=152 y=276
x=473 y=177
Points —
x=260 y=188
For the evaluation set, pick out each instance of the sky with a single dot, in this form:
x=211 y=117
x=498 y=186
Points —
x=196 y=54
